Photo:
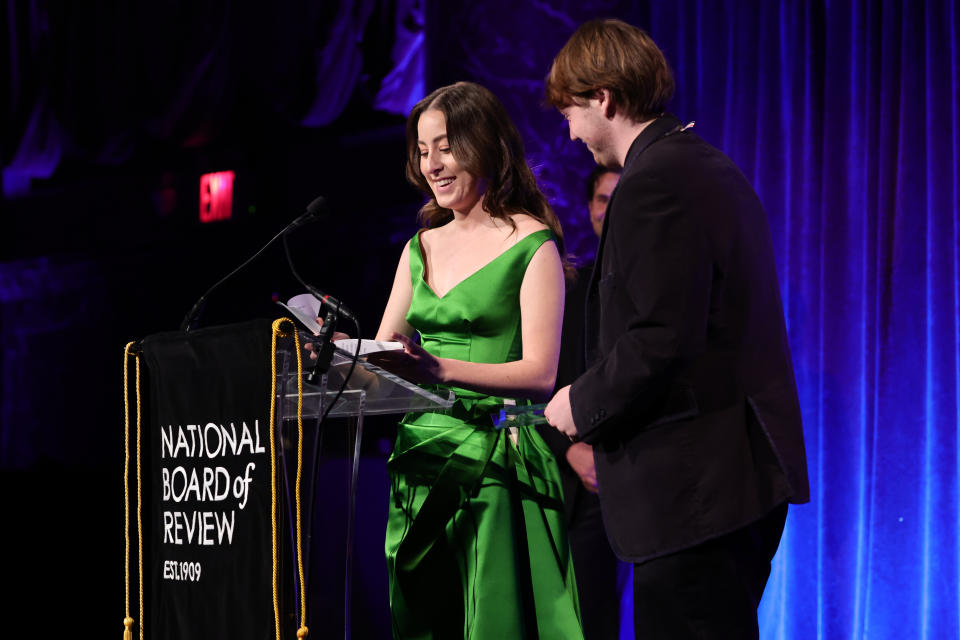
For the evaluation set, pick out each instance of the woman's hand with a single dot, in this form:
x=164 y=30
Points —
x=414 y=363
x=337 y=335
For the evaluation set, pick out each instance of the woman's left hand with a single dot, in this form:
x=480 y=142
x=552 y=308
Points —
x=414 y=363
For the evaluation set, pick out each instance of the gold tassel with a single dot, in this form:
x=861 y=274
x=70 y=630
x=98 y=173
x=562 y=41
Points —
x=129 y=351
x=279 y=332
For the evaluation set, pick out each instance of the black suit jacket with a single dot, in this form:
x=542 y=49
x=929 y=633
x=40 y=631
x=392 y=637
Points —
x=689 y=398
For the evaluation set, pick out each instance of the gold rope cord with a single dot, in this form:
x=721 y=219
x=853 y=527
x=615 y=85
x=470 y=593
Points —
x=273 y=473
x=302 y=631
x=278 y=331
x=128 y=621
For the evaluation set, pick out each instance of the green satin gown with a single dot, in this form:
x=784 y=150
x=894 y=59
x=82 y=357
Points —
x=476 y=541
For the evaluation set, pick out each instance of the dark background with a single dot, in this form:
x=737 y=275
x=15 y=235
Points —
x=844 y=115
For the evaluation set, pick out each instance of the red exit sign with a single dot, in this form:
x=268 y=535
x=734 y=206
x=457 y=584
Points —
x=216 y=196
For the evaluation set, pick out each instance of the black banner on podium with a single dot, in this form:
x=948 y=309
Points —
x=209 y=562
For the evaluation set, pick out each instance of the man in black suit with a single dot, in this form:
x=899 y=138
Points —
x=689 y=400
x=594 y=563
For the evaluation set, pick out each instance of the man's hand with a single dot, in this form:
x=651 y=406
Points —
x=559 y=414
x=580 y=457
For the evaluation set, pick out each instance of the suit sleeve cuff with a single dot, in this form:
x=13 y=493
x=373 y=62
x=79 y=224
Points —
x=588 y=415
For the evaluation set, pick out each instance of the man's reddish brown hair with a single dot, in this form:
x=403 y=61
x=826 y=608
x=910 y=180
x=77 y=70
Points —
x=612 y=55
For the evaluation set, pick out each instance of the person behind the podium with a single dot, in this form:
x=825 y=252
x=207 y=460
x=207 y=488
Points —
x=476 y=543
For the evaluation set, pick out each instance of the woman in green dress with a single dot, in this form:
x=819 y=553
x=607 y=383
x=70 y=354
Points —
x=476 y=545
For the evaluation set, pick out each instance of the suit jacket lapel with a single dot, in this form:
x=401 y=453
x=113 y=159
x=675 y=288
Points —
x=656 y=130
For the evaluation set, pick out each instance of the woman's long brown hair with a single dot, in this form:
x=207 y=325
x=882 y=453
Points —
x=485 y=142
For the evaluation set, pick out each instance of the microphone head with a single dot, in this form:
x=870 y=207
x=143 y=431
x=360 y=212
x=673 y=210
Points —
x=317 y=207
x=315 y=210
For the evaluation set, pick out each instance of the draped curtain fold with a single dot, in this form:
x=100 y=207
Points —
x=844 y=115
x=93 y=82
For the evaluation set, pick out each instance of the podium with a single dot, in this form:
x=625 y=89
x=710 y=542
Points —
x=370 y=390
x=229 y=432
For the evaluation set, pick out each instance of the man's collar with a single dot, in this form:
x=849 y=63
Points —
x=661 y=127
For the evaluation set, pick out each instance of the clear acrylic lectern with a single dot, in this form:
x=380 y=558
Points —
x=369 y=391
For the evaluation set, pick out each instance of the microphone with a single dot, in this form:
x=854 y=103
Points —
x=314 y=210
x=331 y=308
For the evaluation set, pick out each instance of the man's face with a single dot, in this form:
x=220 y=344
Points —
x=589 y=124
x=601 y=197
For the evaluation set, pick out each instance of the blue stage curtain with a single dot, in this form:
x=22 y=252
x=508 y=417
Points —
x=844 y=115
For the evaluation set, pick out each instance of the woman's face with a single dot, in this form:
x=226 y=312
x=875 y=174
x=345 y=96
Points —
x=453 y=187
